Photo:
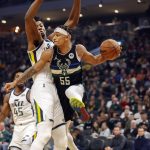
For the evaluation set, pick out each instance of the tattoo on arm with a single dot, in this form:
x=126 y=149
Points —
x=26 y=75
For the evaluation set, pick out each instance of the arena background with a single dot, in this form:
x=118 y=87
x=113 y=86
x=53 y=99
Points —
x=118 y=91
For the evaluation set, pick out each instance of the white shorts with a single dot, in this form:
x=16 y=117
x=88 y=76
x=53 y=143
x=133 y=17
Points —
x=46 y=103
x=75 y=91
x=22 y=133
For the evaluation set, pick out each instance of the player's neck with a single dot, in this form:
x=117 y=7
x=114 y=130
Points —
x=65 y=48
x=19 y=90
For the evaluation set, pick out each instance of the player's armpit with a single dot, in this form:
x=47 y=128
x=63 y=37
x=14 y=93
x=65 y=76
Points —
x=5 y=108
x=32 y=32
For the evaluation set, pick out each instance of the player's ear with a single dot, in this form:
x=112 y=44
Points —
x=67 y=37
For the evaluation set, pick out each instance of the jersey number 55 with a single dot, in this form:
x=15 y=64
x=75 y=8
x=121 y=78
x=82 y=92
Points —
x=65 y=80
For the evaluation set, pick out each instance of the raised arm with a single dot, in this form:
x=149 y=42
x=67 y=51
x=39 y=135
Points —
x=30 y=24
x=45 y=57
x=88 y=57
x=73 y=17
x=5 y=108
x=74 y=14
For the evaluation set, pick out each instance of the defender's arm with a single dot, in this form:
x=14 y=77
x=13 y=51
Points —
x=30 y=24
x=73 y=18
x=74 y=15
x=45 y=57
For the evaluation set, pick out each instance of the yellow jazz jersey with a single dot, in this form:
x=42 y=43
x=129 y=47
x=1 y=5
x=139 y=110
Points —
x=34 y=56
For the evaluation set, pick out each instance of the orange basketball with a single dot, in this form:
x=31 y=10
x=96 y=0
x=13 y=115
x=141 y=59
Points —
x=110 y=49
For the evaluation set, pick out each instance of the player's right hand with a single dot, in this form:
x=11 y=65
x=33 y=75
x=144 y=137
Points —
x=9 y=86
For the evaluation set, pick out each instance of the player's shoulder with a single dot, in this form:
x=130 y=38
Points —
x=80 y=46
x=50 y=43
x=7 y=97
x=28 y=89
x=47 y=54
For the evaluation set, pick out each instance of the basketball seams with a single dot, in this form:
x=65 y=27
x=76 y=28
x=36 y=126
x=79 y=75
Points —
x=111 y=45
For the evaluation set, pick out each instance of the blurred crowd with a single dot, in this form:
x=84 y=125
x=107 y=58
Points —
x=118 y=92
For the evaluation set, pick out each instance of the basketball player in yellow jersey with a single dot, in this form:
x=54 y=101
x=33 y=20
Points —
x=18 y=103
x=43 y=92
x=34 y=41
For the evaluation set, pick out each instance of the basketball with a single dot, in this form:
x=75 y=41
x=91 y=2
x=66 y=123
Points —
x=110 y=49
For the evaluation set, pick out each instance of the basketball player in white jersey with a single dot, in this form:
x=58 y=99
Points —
x=18 y=103
x=47 y=105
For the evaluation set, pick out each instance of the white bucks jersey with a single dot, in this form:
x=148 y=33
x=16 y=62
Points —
x=21 y=108
x=35 y=55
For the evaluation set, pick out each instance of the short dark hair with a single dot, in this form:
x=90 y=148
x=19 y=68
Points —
x=14 y=73
x=117 y=127
x=18 y=72
x=143 y=112
x=141 y=128
x=36 y=18
x=105 y=123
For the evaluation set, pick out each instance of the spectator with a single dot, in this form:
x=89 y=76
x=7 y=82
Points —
x=118 y=142
x=126 y=111
x=145 y=127
x=111 y=87
x=105 y=131
x=144 y=118
x=138 y=114
x=131 y=133
x=141 y=143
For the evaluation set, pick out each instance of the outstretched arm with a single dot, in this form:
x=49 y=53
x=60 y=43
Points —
x=45 y=57
x=30 y=24
x=88 y=57
x=5 y=108
x=74 y=15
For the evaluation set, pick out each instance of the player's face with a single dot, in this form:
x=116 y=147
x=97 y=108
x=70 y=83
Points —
x=59 y=39
x=17 y=76
x=41 y=28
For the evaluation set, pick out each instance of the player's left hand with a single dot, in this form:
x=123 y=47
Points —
x=117 y=53
x=115 y=57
